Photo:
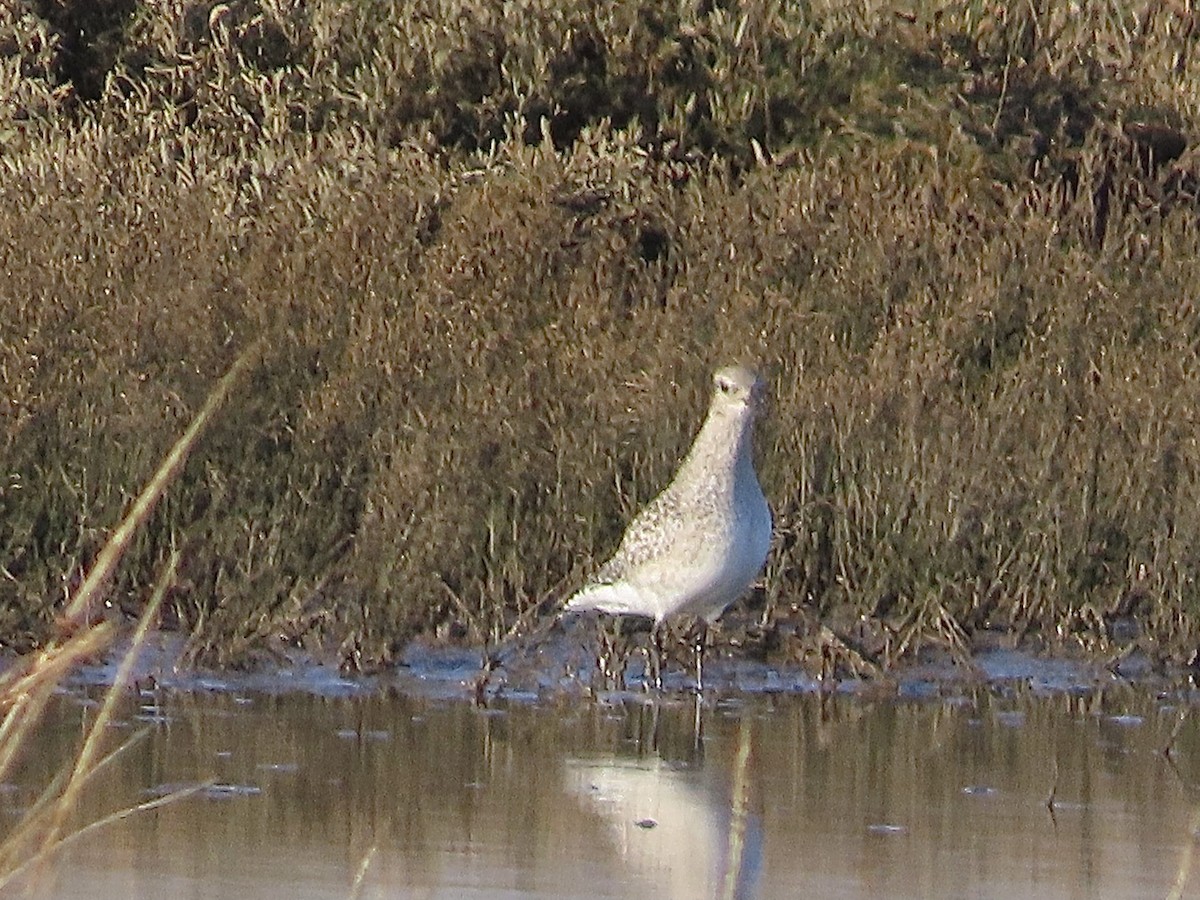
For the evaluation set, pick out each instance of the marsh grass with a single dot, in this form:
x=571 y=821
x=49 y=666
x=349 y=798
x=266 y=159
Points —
x=82 y=633
x=500 y=247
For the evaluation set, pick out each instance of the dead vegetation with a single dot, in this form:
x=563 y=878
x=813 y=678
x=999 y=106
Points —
x=494 y=251
x=83 y=632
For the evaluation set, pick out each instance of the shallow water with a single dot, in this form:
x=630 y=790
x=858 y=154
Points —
x=747 y=796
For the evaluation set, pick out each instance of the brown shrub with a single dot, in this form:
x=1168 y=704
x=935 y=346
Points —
x=497 y=258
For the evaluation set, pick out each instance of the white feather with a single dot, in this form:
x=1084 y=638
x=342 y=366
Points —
x=702 y=541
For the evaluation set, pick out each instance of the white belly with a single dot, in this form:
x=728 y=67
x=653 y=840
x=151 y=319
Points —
x=703 y=582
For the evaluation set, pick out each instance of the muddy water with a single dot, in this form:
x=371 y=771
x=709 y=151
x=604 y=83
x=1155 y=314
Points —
x=767 y=796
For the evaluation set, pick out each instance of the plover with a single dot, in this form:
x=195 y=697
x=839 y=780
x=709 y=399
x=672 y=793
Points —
x=700 y=543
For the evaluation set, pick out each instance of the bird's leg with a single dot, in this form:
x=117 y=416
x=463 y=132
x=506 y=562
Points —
x=655 y=652
x=700 y=639
x=627 y=649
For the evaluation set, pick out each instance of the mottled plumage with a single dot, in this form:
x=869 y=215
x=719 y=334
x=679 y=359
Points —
x=702 y=541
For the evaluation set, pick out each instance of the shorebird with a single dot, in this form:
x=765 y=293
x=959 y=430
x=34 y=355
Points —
x=697 y=546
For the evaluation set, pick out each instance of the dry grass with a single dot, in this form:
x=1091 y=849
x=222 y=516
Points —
x=82 y=634
x=497 y=250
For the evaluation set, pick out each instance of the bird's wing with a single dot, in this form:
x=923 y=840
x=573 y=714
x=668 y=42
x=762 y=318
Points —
x=650 y=535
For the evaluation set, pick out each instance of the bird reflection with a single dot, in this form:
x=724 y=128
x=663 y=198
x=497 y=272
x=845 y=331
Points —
x=672 y=828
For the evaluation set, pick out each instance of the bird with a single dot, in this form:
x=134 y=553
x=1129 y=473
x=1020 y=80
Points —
x=701 y=542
